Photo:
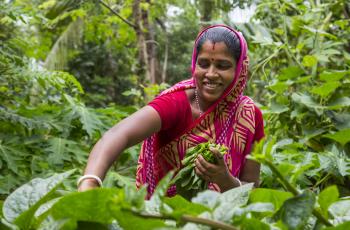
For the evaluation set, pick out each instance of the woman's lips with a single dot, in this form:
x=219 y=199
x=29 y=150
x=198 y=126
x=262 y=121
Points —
x=211 y=86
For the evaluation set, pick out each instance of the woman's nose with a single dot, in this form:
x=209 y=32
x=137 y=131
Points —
x=212 y=71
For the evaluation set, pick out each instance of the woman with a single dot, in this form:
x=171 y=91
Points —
x=208 y=107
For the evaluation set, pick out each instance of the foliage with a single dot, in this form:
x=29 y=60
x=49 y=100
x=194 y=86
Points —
x=300 y=74
x=299 y=59
x=125 y=208
x=45 y=126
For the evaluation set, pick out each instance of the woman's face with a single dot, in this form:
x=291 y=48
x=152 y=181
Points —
x=214 y=71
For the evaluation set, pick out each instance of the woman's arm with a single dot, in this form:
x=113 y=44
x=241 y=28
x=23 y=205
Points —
x=126 y=133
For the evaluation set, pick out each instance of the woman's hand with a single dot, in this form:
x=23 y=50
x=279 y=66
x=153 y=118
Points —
x=216 y=173
x=88 y=184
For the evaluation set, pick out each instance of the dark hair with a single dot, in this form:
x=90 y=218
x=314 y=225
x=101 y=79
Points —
x=221 y=34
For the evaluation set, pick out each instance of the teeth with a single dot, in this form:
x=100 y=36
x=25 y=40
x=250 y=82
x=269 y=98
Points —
x=211 y=84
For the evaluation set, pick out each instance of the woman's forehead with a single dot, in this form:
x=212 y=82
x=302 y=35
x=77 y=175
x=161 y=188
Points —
x=215 y=48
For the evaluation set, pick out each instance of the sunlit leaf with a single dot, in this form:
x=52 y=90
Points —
x=309 y=60
x=342 y=136
x=327 y=197
x=86 y=205
x=334 y=76
x=269 y=195
x=290 y=73
x=325 y=89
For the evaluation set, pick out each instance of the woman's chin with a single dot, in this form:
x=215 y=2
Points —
x=210 y=97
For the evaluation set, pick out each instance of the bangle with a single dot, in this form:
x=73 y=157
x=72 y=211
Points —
x=239 y=181
x=89 y=176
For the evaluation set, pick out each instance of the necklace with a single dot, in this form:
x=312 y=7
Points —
x=197 y=101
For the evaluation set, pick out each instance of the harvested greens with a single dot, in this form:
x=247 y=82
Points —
x=187 y=182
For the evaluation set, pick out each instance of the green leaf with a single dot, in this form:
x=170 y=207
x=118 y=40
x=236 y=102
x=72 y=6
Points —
x=327 y=197
x=276 y=108
x=155 y=203
x=309 y=60
x=342 y=136
x=182 y=206
x=20 y=206
x=92 y=205
x=128 y=220
x=231 y=199
x=253 y=224
x=296 y=211
x=308 y=101
x=280 y=87
x=326 y=89
x=261 y=208
x=340 y=211
x=290 y=73
x=207 y=198
x=88 y=118
x=343 y=226
x=58 y=150
x=334 y=76
x=339 y=103
x=275 y=197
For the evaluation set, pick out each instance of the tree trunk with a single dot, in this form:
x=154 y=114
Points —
x=146 y=43
x=206 y=11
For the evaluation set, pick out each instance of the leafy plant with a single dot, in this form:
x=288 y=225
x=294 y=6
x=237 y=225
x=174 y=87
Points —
x=188 y=183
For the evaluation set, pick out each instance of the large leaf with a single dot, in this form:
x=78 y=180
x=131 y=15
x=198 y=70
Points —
x=230 y=199
x=181 y=206
x=154 y=205
x=275 y=197
x=58 y=57
x=89 y=119
x=296 y=211
x=20 y=206
x=334 y=76
x=342 y=136
x=343 y=226
x=290 y=73
x=339 y=103
x=327 y=197
x=307 y=101
x=61 y=149
x=92 y=205
x=326 y=89
x=254 y=224
x=12 y=156
x=340 y=211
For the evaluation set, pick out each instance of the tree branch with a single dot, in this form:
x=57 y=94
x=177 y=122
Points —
x=188 y=218
x=117 y=14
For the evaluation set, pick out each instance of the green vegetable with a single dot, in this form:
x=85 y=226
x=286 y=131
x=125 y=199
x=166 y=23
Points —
x=187 y=182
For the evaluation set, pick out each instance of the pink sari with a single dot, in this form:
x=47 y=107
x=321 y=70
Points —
x=229 y=121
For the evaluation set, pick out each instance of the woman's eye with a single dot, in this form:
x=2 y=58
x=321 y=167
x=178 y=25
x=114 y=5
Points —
x=223 y=66
x=203 y=64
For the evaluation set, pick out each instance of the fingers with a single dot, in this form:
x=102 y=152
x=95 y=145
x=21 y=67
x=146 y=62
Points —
x=205 y=165
x=219 y=157
x=201 y=168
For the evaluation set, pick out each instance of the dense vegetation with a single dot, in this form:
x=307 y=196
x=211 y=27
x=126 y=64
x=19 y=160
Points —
x=71 y=69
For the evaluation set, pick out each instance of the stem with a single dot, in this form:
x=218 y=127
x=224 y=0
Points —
x=293 y=190
x=118 y=15
x=284 y=181
x=211 y=223
x=188 y=218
